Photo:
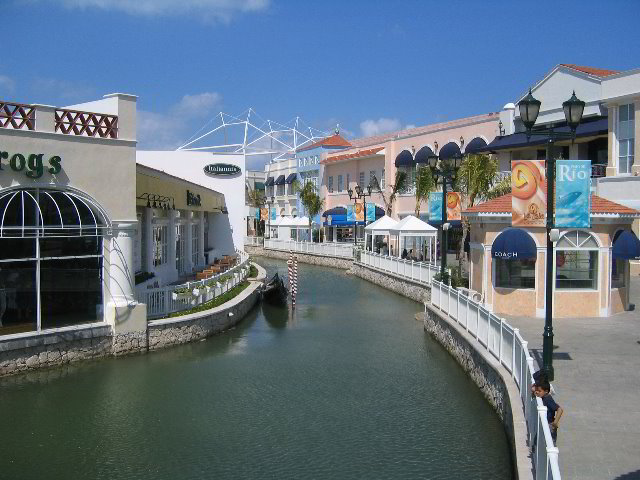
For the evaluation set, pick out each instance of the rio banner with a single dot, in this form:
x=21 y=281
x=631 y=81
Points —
x=573 y=193
x=435 y=206
x=273 y=213
x=528 y=193
x=371 y=212
x=454 y=208
x=351 y=215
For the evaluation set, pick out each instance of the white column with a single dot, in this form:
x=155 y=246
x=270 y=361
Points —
x=171 y=247
x=201 y=238
x=147 y=240
x=121 y=275
x=188 y=251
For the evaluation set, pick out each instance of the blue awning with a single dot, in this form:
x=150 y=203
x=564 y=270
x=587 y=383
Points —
x=514 y=244
x=450 y=150
x=335 y=211
x=290 y=178
x=405 y=159
x=423 y=155
x=475 y=145
x=279 y=180
x=269 y=182
x=626 y=245
x=592 y=128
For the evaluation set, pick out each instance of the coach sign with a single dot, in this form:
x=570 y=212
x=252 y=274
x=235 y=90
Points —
x=221 y=169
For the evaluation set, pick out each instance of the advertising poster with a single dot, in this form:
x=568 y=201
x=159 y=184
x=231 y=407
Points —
x=435 y=206
x=528 y=193
x=454 y=206
x=264 y=214
x=273 y=213
x=573 y=193
x=359 y=208
x=351 y=215
x=371 y=212
x=257 y=214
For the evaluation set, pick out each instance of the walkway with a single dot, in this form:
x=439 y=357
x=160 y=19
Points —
x=597 y=382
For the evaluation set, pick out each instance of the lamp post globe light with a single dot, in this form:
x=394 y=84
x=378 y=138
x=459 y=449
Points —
x=445 y=170
x=529 y=109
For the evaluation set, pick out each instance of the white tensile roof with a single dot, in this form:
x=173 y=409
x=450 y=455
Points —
x=414 y=227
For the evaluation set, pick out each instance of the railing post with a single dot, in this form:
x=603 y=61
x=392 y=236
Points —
x=500 y=346
x=513 y=354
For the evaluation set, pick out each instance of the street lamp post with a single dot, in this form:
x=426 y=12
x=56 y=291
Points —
x=445 y=170
x=529 y=108
x=359 y=193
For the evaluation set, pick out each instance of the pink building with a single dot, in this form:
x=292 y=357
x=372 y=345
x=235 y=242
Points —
x=382 y=155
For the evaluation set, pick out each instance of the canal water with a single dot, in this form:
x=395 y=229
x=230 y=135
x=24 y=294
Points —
x=347 y=386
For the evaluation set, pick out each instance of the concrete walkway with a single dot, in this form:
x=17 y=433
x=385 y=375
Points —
x=597 y=382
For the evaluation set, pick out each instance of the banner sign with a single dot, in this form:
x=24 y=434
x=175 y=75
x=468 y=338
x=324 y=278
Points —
x=359 y=207
x=221 y=169
x=454 y=206
x=264 y=213
x=435 y=206
x=371 y=212
x=351 y=215
x=528 y=193
x=273 y=213
x=257 y=214
x=573 y=193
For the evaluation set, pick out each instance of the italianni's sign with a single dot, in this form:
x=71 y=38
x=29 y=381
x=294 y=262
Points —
x=221 y=169
x=33 y=165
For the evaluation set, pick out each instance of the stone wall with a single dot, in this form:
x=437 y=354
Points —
x=493 y=380
x=403 y=286
x=322 y=260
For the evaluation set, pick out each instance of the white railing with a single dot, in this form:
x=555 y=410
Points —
x=504 y=343
x=253 y=241
x=341 y=250
x=163 y=301
x=421 y=272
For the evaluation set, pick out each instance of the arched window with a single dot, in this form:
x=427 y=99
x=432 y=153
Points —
x=577 y=261
x=51 y=272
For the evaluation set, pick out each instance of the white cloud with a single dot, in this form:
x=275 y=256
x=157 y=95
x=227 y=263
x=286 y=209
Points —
x=372 y=128
x=168 y=130
x=6 y=84
x=208 y=10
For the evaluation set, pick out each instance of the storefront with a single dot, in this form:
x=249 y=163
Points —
x=67 y=216
x=508 y=265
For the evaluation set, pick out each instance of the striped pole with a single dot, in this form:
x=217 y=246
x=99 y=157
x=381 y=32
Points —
x=290 y=265
x=295 y=281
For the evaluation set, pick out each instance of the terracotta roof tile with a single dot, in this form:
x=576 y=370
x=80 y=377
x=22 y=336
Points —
x=599 y=205
x=348 y=156
x=336 y=140
x=598 y=72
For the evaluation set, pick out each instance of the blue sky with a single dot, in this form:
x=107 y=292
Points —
x=369 y=65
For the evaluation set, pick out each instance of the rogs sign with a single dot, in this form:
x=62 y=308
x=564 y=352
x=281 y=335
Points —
x=221 y=169
x=32 y=165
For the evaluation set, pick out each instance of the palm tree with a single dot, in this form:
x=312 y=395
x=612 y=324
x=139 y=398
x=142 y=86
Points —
x=399 y=185
x=311 y=202
x=424 y=185
x=255 y=198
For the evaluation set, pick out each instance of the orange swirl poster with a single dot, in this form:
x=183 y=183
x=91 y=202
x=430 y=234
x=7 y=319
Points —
x=454 y=208
x=528 y=193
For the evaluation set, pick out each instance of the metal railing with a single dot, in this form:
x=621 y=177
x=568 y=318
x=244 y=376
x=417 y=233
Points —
x=327 y=249
x=421 y=272
x=253 y=241
x=506 y=345
x=162 y=301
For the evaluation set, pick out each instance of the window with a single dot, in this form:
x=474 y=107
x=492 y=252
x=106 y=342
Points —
x=372 y=175
x=577 y=261
x=340 y=185
x=195 y=244
x=160 y=239
x=348 y=181
x=382 y=180
x=626 y=137
x=361 y=180
x=330 y=185
x=515 y=273
x=180 y=244
x=280 y=189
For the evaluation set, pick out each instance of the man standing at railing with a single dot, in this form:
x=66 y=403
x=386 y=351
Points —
x=554 y=411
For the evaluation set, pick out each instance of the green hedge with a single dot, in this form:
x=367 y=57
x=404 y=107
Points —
x=225 y=297
x=253 y=271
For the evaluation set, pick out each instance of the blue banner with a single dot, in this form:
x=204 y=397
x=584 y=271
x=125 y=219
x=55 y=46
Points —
x=371 y=212
x=435 y=206
x=273 y=213
x=257 y=214
x=573 y=193
x=351 y=214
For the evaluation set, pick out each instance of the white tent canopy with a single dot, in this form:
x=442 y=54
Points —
x=413 y=227
x=416 y=239
x=380 y=228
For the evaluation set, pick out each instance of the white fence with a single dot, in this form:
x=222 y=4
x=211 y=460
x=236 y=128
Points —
x=421 y=272
x=507 y=346
x=163 y=301
x=341 y=250
x=253 y=241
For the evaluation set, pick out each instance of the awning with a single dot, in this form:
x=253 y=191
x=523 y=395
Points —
x=279 y=180
x=405 y=159
x=475 y=145
x=519 y=140
x=258 y=185
x=514 y=244
x=423 y=155
x=290 y=178
x=626 y=245
x=450 y=150
x=335 y=211
x=269 y=182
